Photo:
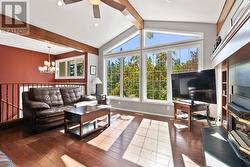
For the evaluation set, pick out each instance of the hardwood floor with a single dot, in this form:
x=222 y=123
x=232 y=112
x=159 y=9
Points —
x=47 y=148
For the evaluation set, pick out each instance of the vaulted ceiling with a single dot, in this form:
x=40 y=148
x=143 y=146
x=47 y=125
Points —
x=76 y=20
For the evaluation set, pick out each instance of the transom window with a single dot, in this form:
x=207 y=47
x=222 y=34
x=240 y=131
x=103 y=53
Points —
x=131 y=44
x=159 y=38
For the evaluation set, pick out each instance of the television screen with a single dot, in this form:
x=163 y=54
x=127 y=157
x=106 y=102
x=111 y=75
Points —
x=199 y=86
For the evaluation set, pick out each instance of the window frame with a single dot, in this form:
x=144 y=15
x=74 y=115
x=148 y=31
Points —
x=57 y=76
x=167 y=48
x=142 y=55
x=121 y=56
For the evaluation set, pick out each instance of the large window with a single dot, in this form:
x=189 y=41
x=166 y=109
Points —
x=161 y=54
x=157 y=76
x=70 y=68
x=131 y=72
x=113 y=77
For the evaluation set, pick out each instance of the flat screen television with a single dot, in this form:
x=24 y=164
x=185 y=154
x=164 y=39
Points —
x=196 y=86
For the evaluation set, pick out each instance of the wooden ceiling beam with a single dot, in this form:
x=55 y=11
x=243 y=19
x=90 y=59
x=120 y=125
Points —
x=132 y=14
x=224 y=13
x=50 y=37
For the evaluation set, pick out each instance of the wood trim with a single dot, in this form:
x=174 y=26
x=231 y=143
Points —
x=233 y=31
x=47 y=36
x=224 y=13
x=132 y=14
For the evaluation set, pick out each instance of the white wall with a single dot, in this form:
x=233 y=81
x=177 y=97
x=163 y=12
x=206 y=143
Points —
x=92 y=60
x=209 y=34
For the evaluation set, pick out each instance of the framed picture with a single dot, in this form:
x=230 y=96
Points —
x=92 y=70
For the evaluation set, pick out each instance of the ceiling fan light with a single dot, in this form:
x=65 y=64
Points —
x=95 y=2
x=60 y=3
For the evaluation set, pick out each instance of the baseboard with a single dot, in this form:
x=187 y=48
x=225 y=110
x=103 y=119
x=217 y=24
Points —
x=11 y=124
x=142 y=112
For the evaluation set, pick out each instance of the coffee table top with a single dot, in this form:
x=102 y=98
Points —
x=85 y=109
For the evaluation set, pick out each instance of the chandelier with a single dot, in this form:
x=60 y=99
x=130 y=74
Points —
x=48 y=67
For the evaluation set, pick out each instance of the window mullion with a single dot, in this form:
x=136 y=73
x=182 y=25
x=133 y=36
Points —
x=121 y=77
x=169 y=78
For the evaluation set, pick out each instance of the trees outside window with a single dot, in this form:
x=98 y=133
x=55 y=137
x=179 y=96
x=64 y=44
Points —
x=113 y=77
x=131 y=80
x=185 y=60
x=157 y=76
x=161 y=55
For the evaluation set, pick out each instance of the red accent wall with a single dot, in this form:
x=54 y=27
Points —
x=20 y=65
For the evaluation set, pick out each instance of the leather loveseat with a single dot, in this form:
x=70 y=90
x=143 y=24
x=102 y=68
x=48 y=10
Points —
x=5 y=161
x=43 y=108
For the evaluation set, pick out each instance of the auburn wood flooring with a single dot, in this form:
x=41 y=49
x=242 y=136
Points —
x=47 y=148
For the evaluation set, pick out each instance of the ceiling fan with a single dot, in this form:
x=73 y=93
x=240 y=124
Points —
x=96 y=3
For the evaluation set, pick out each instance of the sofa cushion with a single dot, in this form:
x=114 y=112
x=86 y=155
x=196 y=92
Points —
x=71 y=95
x=51 y=96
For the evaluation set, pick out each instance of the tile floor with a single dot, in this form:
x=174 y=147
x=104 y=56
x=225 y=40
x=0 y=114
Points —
x=105 y=140
x=151 y=145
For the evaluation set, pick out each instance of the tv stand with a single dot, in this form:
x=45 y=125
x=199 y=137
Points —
x=189 y=107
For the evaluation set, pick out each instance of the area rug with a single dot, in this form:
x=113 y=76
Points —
x=151 y=145
x=107 y=138
x=70 y=162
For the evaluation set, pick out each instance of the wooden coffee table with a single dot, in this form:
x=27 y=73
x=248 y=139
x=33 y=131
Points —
x=82 y=121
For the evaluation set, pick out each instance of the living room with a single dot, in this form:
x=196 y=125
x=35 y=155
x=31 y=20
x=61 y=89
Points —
x=124 y=83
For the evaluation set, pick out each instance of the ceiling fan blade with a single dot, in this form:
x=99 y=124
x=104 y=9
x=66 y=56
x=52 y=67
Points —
x=71 y=1
x=114 y=4
x=96 y=11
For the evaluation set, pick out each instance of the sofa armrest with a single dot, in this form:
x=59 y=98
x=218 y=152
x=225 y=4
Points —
x=38 y=105
x=33 y=104
x=88 y=98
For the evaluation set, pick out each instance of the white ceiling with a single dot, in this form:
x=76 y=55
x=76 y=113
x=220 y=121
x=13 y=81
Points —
x=31 y=44
x=204 y=11
x=76 y=21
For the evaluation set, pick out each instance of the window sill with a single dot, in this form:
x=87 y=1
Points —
x=160 y=102
x=124 y=99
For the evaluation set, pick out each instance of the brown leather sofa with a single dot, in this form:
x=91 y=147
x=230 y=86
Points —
x=5 y=161
x=43 y=108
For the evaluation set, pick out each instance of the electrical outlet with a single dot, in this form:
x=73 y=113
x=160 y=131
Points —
x=168 y=108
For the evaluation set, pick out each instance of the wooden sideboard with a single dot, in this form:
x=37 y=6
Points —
x=189 y=108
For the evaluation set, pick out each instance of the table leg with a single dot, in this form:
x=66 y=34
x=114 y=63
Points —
x=208 y=112
x=109 y=117
x=189 y=120
x=65 y=126
x=175 y=112
x=80 y=128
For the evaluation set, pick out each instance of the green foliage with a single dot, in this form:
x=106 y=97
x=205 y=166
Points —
x=157 y=76
x=156 y=73
x=131 y=72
